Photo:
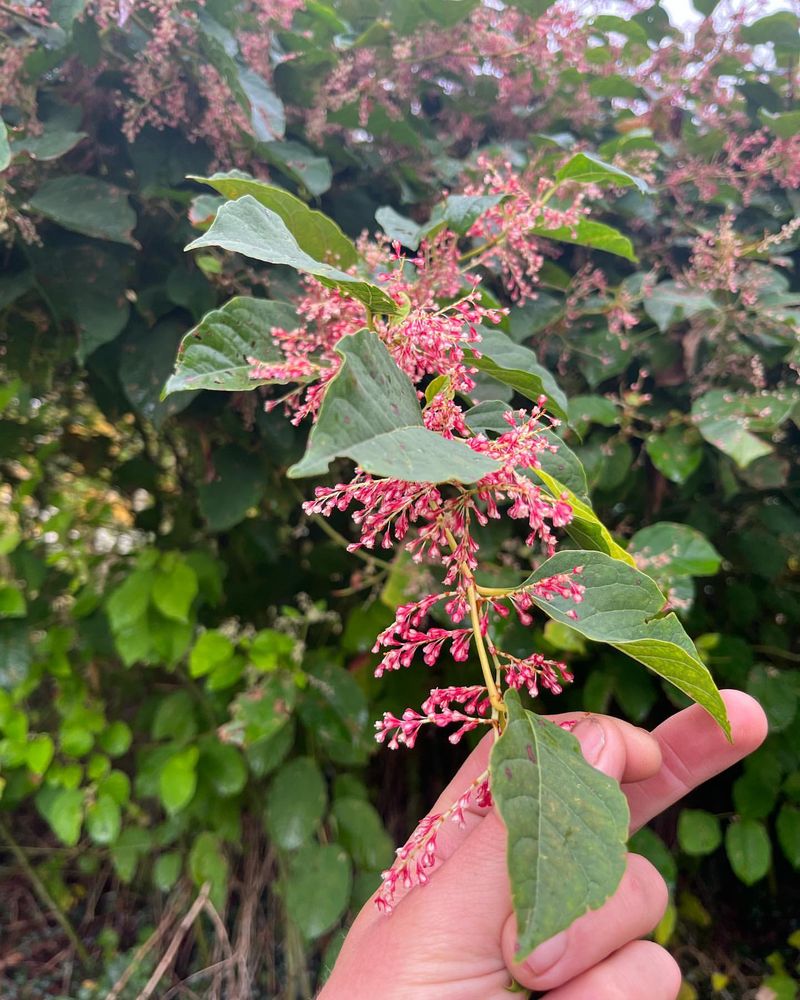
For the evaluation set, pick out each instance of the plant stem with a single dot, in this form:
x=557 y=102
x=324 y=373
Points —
x=494 y=694
x=42 y=892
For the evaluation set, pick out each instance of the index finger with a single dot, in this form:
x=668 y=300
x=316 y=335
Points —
x=694 y=749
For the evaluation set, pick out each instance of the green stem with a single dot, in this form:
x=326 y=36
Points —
x=42 y=892
x=491 y=687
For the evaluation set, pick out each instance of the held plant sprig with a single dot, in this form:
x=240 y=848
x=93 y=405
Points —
x=382 y=356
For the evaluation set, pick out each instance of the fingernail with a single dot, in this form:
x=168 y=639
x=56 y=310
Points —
x=547 y=954
x=592 y=738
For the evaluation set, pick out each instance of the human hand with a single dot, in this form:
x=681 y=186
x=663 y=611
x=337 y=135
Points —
x=455 y=939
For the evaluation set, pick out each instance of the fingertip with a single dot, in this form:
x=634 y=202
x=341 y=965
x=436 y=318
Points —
x=749 y=723
x=602 y=744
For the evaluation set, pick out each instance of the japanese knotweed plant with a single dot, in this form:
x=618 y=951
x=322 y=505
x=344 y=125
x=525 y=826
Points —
x=383 y=353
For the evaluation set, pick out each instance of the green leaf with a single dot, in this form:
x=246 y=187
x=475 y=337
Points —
x=267 y=115
x=50 y=145
x=178 y=780
x=14 y=286
x=63 y=810
x=127 y=851
x=667 y=549
x=781 y=28
x=586 y=168
x=174 y=718
x=5 y=148
x=785 y=126
x=587 y=410
x=313 y=231
x=334 y=708
x=777 y=694
x=86 y=205
x=12 y=601
x=619 y=607
x=726 y=420
x=147 y=360
x=585 y=528
x=211 y=649
x=207 y=863
x=370 y=413
x=313 y=172
x=39 y=753
x=103 y=820
x=167 y=870
x=563 y=466
x=361 y=831
x=174 y=589
x=676 y=453
x=567 y=826
x=699 y=832
x=245 y=226
x=317 y=888
x=788 y=829
x=215 y=353
x=671 y=303
x=223 y=766
x=749 y=850
x=238 y=484
x=398 y=227
x=128 y=603
x=588 y=233
x=515 y=365
x=296 y=803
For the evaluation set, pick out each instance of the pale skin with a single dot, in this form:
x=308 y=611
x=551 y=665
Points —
x=455 y=938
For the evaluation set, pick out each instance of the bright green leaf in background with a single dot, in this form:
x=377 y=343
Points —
x=567 y=826
x=666 y=550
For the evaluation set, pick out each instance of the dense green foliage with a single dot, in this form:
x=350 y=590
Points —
x=186 y=690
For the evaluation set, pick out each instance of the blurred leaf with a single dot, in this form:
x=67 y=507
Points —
x=238 y=484
x=317 y=888
x=207 y=863
x=211 y=649
x=586 y=168
x=588 y=233
x=749 y=850
x=788 y=829
x=361 y=831
x=699 y=832
x=103 y=820
x=667 y=549
x=671 y=303
x=86 y=205
x=223 y=766
x=296 y=803
x=63 y=810
x=676 y=453
x=178 y=779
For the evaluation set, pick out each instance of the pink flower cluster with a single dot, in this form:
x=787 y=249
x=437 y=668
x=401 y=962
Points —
x=417 y=858
x=436 y=710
